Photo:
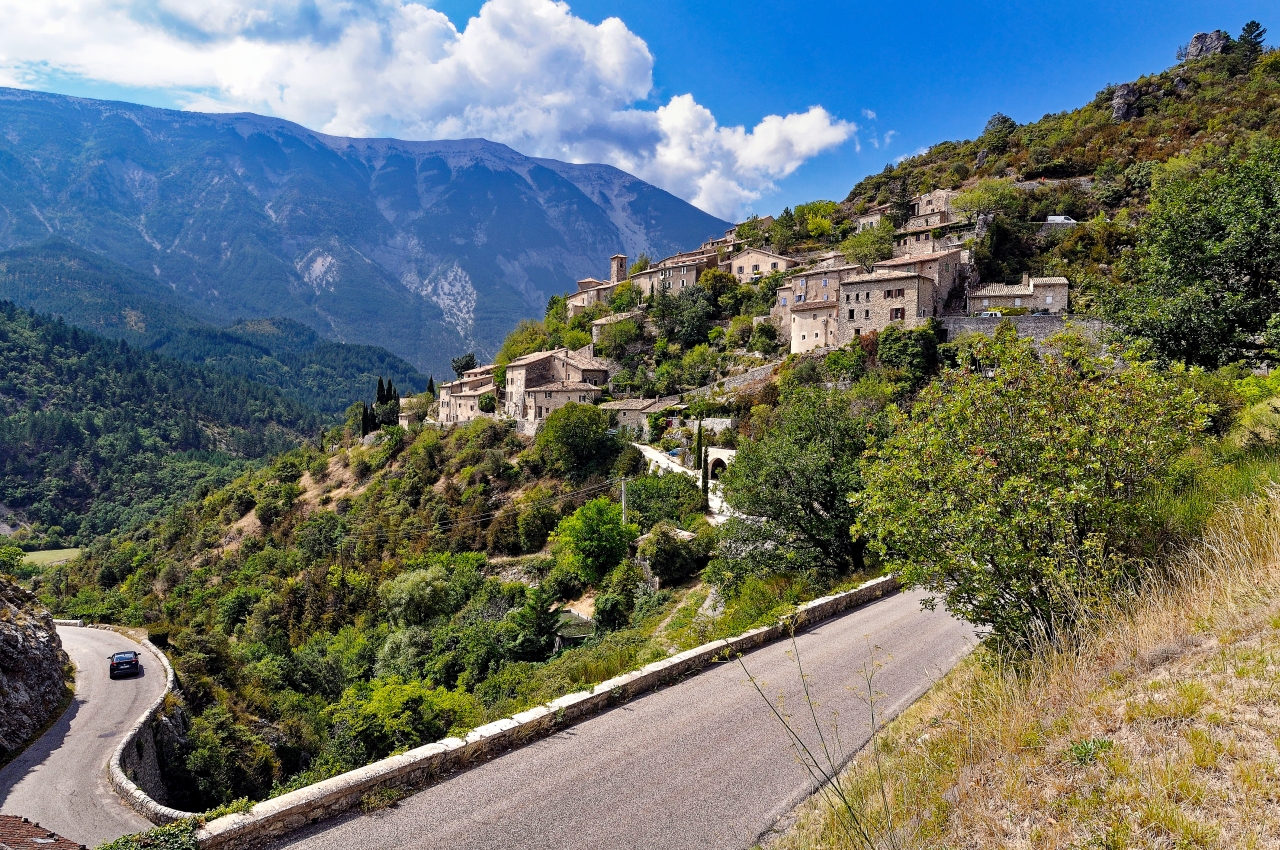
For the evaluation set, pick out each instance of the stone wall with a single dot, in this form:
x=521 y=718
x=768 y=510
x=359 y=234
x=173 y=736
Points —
x=422 y=766
x=134 y=771
x=1038 y=327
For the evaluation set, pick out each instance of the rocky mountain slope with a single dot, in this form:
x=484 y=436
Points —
x=425 y=248
x=31 y=666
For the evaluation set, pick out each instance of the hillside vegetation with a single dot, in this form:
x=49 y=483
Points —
x=98 y=437
x=94 y=293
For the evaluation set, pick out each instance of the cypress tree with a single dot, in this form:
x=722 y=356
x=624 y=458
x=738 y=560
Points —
x=382 y=392
x=431 y=386
x=706 y=480
x=697 y=447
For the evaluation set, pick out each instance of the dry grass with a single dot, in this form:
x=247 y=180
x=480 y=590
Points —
x=1159 y=730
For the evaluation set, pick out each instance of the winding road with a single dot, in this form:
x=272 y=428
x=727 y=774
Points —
x=60 y=780
x=699 y=764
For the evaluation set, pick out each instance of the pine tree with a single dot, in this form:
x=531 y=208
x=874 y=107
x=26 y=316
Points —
x=1249 y=45
x=706 y=480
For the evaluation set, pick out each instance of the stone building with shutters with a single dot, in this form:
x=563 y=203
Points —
x=459 y=401
x=1035 y=294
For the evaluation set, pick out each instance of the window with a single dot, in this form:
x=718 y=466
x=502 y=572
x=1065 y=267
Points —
x=1048 y=299
x=824 y=281
x=666 y=284
x=773 y=265
x=847 y=297
x=986 y=302
x=897 y=314
x=784 y=301
x=888 y=293
x=824 y=296
x=856 y=331
x=866 y=314
x=802 y=336
x=857 y=296
x=901 y=293
x=853 y=314
x=1017 y=302
x=756 y=267
x=740 y=269
x=548 y=395
x=682 y=284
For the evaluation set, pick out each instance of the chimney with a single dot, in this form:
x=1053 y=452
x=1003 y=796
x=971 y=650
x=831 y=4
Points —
x=1026 y=279
x=617 y=268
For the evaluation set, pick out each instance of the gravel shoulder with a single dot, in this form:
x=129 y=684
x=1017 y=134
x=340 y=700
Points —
x=60 y=780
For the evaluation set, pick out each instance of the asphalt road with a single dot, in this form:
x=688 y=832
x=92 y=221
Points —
x=700 y=764
x=60 y=781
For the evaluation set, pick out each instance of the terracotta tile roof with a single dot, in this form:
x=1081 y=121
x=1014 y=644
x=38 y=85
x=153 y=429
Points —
x=618 y=317
x=1025 y=290
x=481 y=390
x=917 y=258
x=814 y=305
x=630 y=404
x=526 y=359
x=563 y=386
x=17 y=833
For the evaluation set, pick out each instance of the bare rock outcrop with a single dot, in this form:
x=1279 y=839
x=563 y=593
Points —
x=1207 y=44
x=32 y=665
x=1122 y=101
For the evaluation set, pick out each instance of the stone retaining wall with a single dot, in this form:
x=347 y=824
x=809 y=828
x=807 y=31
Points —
x=135 y=758
x=422 y=766
x=1038 y=327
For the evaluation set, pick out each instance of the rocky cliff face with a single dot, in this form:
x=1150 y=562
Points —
x=31 y=666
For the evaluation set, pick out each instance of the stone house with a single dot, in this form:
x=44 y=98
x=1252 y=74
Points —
x=675 y=273
x=813 y=325
x=754 y=263
x=543 y=400
x=633 y=413
x=1036 y=294
x=460 y=400
x=534 y=372
x=592 y=291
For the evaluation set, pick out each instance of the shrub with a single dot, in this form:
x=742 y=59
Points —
x=671 y=559
x=594 y=540
x=575 y=440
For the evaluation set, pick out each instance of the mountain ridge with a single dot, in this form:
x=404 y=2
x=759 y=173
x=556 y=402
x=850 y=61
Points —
x=426 y=247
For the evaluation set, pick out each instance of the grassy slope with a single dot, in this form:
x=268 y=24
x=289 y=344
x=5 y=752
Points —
x=1157 y=730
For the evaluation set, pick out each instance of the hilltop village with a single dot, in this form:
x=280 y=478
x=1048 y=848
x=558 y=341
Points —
x=917 y=272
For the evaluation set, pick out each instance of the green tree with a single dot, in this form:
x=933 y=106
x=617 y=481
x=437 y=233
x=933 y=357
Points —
x=464 y=363
x=11 y=558
x=1208 y=284
x=870 y=246
x=913 y=352
x=616 y=336
x=751 y=232
x=987 y=197
x=1014 y=490
x=575 y=439
x=791 y=485
x=594 y=540
x=641 y=264
x=487 y=403
x=536 y=623
x=999 y=130
x=1249 y=46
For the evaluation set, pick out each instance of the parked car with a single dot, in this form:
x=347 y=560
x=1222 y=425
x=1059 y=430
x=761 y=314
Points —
x=123 y=663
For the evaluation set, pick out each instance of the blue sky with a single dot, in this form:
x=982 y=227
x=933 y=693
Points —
x=588 y=90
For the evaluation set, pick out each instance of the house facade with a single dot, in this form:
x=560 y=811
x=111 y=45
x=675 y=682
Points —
x=675 y=273
x=592 y=291
x=1035 y=294
x=754 y=263
x=571 y=370
x=459 y=400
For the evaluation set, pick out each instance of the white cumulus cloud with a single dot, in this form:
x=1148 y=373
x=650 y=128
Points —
x=528 y=73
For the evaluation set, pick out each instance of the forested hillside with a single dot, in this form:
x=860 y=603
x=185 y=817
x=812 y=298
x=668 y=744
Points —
x=93 y=292
x=98 y=437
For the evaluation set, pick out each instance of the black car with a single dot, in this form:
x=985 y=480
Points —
x=123 y=663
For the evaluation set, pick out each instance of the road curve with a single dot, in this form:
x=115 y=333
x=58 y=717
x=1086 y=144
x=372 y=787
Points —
x=699 y=764
x=61 y=779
